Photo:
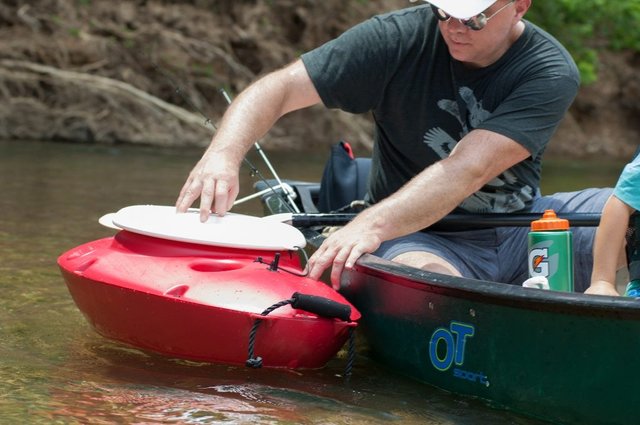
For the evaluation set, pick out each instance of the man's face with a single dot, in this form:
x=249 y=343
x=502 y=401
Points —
x=484 y=47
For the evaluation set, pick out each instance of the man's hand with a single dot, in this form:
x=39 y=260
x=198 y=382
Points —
x=215 y=180
x=342 y=249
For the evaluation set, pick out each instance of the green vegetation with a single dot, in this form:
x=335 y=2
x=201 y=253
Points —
x=585 y=26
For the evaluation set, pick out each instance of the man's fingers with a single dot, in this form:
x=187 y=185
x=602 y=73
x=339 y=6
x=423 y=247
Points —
x=221 y=197
x=345 y=259
x=338 y=267
x=182 y=194
x=226 y=191
x=206 y=199
x=189 y=193
x=318 y=263
x=233 y=194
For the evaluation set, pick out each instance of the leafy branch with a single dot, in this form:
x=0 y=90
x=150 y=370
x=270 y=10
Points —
x=586 y=26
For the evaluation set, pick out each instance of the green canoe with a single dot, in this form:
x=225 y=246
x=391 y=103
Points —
x=563 y=357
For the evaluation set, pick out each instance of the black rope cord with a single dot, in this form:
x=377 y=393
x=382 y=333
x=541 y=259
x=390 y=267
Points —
x=351 y=358
x=252 y=361
x=256 y=362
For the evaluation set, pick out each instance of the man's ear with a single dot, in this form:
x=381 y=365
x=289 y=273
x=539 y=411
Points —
x=522 y=6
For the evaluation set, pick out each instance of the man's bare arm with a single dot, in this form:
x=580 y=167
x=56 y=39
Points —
x=215 y=177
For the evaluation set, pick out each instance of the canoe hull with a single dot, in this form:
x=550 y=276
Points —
x=199 y=303
x=558 y=358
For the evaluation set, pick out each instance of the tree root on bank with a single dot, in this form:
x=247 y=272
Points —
x=82 y=107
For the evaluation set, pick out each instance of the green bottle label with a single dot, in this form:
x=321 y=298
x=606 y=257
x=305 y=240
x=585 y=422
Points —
x=551 y=256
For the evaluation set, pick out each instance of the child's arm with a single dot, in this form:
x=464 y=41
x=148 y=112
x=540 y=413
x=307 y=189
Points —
x=608 y=246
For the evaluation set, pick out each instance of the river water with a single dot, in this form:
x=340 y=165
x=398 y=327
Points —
x=55 y=369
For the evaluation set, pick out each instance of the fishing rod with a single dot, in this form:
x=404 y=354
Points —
x=450 y=222
x=266 y=160
x=207 y=121
x=289 y=202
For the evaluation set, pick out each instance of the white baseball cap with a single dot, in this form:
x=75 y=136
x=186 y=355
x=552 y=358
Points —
x=462 y=9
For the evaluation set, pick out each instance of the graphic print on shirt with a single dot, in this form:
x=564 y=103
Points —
x=495 y=195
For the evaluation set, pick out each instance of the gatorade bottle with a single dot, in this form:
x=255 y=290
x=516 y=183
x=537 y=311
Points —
x=551 y=251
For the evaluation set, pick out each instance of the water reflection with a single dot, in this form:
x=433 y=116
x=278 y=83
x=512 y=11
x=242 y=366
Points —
x=55 y=369
x=125 y=386
x=120 y=385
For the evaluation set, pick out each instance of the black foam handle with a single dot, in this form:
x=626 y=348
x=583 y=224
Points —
x=321 y=306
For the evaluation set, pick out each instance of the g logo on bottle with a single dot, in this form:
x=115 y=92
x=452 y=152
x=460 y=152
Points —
x=539 y=262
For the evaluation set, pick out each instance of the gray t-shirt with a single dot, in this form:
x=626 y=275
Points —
x=398 y=67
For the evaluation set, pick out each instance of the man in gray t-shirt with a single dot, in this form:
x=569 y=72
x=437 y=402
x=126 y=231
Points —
x=424 y=101
x=465 y=96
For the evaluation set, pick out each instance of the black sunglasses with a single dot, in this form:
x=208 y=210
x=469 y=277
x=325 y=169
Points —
x=476 y=23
